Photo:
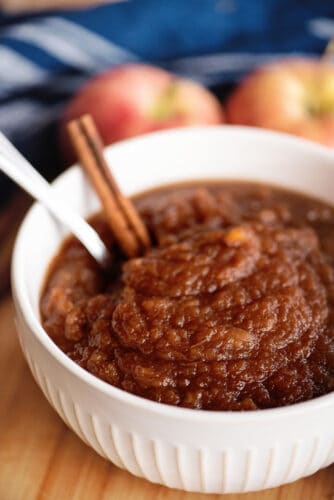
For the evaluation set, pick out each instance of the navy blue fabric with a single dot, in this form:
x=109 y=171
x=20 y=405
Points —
x=212 y=41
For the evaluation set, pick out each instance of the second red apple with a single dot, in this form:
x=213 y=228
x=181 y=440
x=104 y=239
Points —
x=292 y=95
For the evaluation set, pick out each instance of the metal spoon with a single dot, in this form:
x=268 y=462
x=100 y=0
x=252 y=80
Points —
x=20 y=170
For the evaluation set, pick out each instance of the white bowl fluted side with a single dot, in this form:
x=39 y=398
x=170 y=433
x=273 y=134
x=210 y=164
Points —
x=184 y=467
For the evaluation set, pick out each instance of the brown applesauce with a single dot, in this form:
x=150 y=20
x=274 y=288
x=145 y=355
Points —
x=231 y=309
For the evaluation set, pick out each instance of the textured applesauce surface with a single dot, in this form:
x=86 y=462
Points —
x=231 y=309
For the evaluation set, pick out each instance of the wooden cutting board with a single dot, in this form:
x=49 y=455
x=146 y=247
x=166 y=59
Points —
x=41 y=459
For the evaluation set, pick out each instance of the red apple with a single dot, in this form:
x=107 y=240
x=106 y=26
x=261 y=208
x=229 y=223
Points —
x=133 y=99
x=292 y=95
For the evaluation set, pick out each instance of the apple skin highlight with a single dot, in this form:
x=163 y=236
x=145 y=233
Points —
x=294 y=95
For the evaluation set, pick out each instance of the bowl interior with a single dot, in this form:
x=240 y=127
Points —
x=193 y=153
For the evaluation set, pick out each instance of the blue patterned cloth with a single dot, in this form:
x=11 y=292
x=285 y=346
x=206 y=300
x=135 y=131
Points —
x=45 y=58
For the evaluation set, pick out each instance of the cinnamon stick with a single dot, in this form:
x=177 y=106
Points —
x=126 y=224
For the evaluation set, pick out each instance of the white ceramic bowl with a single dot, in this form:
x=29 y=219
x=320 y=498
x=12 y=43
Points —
x=193 y=450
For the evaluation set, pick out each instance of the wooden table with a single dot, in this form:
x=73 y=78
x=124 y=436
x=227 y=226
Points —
x=41 y=459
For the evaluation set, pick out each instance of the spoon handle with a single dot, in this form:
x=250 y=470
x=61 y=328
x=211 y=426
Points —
x=23 y=173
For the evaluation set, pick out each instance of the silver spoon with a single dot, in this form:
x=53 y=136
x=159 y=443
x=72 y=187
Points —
x=20 y=170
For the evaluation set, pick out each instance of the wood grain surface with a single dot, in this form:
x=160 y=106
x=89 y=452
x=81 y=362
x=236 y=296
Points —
x=14 y=6
x=41 y=459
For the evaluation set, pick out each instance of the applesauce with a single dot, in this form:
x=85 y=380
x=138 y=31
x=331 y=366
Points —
x=231 y=309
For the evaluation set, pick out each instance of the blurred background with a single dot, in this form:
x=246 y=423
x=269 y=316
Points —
x=49 y=49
